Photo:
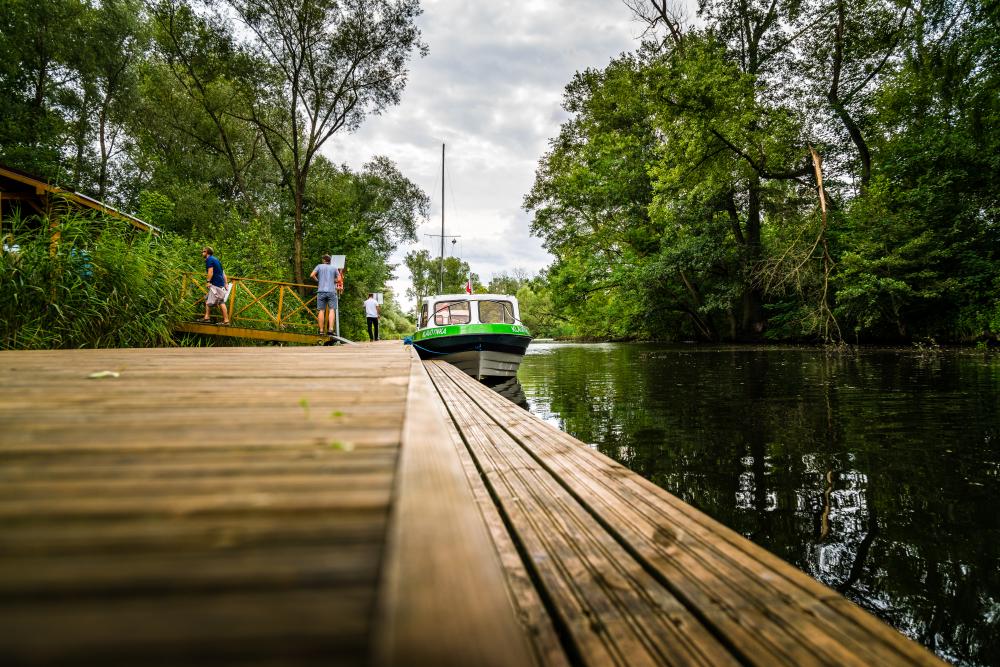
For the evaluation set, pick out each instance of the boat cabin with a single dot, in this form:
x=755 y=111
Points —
x=447 y=309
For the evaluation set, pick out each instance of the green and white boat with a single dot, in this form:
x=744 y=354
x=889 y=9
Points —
x=481 y=334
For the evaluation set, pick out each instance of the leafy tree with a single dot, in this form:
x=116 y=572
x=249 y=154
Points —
x=329 y=64
x=115 y=46
x=920 y=245
x=364 y=216
x=508 y=283
x=783 y=169
x=190 y=91
x=41 y=43
x=425 y=273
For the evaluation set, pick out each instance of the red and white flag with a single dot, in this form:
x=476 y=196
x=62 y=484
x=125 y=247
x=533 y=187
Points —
x=468 y=285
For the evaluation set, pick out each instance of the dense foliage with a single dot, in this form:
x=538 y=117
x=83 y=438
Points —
x=437 y=275
x=816 y=170
x=189 y=115
x=102 y=285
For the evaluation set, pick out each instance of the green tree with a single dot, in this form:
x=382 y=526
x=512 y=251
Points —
x=329 y=65
x=41 y=43
x=920 y=245
x=508 y=282
x=425 y=273
x=189 y=94
x=364 y=216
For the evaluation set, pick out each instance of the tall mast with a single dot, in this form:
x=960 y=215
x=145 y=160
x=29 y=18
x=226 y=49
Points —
x=441 y=289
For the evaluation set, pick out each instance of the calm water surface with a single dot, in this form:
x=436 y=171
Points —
x=877 y=473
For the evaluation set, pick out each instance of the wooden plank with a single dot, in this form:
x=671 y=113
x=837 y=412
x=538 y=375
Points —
x=142 y=489
x=145 y=534
x=765 y=609
x=614 y=611
x=443 y=598
x=233 y=331
x=224 y=568
x=321 y=625
x=206 y=506
x=531 y=611
x=194 y=465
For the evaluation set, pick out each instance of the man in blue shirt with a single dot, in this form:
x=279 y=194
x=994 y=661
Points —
x=216 y=286
x=326 y=293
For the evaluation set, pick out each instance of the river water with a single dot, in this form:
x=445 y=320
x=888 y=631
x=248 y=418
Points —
x=877 y=472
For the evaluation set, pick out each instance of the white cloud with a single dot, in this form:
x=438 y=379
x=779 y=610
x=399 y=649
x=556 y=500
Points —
x=491 y=90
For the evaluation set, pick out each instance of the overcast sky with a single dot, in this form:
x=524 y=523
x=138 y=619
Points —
x=490 y=89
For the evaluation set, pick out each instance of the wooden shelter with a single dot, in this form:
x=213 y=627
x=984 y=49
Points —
x=28 y=195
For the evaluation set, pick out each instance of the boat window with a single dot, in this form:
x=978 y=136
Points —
x=500 y=312
x=423 y=316
x=451 y=312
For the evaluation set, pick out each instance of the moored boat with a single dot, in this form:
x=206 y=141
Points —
x=481 y=334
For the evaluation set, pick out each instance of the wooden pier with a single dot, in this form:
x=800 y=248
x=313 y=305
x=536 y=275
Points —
x=354 y=506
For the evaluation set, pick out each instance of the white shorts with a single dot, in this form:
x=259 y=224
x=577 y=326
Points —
x=216 y=295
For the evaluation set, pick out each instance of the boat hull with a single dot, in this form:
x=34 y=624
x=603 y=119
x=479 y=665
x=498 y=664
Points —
x=480 y=354
x=484 y=364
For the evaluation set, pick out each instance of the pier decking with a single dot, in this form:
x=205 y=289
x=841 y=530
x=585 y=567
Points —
x=351 y=505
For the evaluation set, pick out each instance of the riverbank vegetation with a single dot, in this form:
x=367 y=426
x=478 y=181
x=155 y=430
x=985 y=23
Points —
x=104 y=287
x=206 y=120
x=817 y=170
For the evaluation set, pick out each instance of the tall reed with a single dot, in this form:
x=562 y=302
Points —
x=101 y=283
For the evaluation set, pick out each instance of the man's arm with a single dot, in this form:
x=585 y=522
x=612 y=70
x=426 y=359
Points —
x=211 y=272
x=313 y=275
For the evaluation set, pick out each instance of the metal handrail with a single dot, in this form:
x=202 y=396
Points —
x=272 y=304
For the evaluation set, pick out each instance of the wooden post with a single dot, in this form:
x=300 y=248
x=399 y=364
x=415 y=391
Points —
x=232 y=302
x=56 y=235
x=281 y=304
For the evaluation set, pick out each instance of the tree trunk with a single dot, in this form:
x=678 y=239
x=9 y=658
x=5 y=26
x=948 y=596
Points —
x=703 y=327
x=81 y=140
x=38 y=106
x=297 y=241
x=833 y=96
x=102 y=179
x=753 y=309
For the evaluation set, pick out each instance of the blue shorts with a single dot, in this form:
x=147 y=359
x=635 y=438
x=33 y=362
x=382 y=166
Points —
x=324 y=299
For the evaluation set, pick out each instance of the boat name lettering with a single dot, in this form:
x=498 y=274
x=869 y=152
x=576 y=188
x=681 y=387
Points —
x=437 y=332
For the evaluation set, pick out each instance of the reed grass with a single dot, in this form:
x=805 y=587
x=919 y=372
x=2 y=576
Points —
x=100 y=284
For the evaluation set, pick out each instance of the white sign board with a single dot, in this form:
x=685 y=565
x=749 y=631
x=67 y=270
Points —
x=379 y=298
x=338 y=261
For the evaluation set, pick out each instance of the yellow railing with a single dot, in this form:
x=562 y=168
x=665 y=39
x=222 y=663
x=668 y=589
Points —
x=259 y=304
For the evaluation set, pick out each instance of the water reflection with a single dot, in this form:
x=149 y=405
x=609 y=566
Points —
x=509 y=388
x=876 y=473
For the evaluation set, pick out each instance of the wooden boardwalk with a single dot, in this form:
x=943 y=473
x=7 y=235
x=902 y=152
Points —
x=282 y=506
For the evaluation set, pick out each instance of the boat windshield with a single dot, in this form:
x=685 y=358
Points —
x=451 y=312
x=499 y=312
x=423 y=316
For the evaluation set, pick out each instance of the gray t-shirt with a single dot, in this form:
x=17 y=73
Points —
x=327 y=276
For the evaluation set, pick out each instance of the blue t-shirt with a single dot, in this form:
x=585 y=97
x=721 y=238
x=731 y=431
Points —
x=326 y=276
x=218 y=277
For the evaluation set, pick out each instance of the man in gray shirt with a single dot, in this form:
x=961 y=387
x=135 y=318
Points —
x=326 y=293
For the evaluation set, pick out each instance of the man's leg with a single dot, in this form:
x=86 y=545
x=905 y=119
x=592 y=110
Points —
x=320 y=318
x=376 y=328
x=225 y=312
x=370 y=336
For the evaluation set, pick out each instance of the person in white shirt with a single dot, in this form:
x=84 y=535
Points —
x=372 y=313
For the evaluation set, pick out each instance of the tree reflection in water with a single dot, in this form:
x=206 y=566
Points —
x=878 y=473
